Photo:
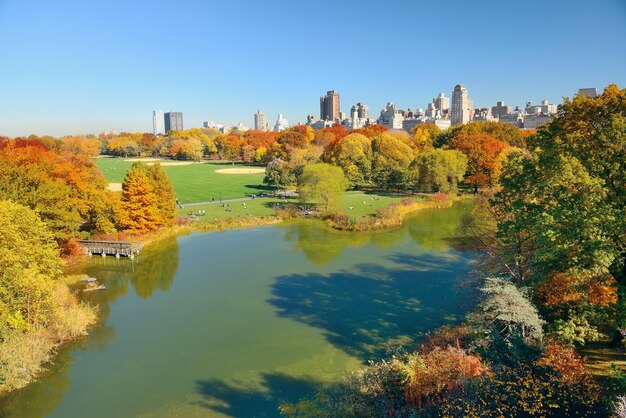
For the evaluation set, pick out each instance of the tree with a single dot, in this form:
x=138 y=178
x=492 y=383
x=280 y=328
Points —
x=423 y=137
x=29 y=260
x=438 y=170
x=322 y=181
x=354 y=155
x=138 y=209
x=390 y=162
x=67 y=190
x=278 y=174
x=509 y=308
x=164 y=192
x=483 y=153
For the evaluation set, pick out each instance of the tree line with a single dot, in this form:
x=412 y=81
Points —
x=51 y=194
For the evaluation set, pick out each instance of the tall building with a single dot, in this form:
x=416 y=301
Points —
x=500 y=109
x=173 y=121
x=462 y=107
x=330 y=107
x=589 y=92
x=441 y=102
x=281 y=123
x=390 y=117
x=361 y=110
x=259 y=121
x=158 y=122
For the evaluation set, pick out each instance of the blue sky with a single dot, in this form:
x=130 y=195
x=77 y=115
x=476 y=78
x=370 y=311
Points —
x=88 y=66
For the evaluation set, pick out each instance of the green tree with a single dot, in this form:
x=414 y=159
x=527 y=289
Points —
x=29 y=260
x=390 y=162
x=438 y=170
x=322 y=181
x=510 y=310
x=279 y=174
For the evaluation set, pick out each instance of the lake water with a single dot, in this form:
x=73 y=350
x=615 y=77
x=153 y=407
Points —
x=232 y=323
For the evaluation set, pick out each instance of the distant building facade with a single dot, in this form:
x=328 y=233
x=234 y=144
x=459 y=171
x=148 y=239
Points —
x=330 y=106
x=462 y=108
x=158 y=122
x=589 y=92
x=390 y=117
x=173 y=121
x=260 y=124
x=359 y=117
x=500 y=109
x=281 y=124
x=441 y=102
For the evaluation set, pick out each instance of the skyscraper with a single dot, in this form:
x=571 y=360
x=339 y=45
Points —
x=330 y=108
x=441 y=102
x=158 y=121
x=462 y=106
x=259 y=121
x=281 y=123
x=173 y=121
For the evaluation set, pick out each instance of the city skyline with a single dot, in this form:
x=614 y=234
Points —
x=112 y=76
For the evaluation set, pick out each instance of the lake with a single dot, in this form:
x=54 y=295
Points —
x=232 y=323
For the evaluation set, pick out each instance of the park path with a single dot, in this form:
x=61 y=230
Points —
x=240 y=199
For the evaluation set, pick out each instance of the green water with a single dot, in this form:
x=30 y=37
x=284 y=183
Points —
x=233 y=323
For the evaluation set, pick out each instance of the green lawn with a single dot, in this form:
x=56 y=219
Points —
x=255 y=207
x=265 y=206
x=194 y=183
x=365 y=204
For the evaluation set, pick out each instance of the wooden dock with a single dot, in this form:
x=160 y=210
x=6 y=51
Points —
x=114 y=248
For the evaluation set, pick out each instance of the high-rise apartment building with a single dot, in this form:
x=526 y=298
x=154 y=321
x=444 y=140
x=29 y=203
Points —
x=330 y=107
x=173 y=121
x=500 y=109
x=158 y=122
x=462 y=106
x=589 y=92
x=259 y=121
x=361 y=110
x=281 y=123
x=441 y=102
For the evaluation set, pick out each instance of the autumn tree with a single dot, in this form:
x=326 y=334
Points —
x=423 y=137
x=138 y=209
x=390 y=162
x=66 y=189
x=354 y=155
x=438 y=170
x=484 y=158
x=322 y=181
x=165 y=197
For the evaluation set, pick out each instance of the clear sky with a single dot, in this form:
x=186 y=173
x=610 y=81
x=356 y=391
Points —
x=86 y=66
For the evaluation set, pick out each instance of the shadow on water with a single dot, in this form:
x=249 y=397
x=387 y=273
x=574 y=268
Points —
x=259 y=399
x=363 y=310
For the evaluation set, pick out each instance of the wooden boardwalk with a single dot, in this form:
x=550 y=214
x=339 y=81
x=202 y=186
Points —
x=115 y=248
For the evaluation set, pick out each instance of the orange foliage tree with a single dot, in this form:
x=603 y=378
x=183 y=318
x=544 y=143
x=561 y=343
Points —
x=483 y=152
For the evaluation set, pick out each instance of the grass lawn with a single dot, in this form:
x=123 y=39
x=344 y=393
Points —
x=265 y=206
x=196 y=182
x=255 y=207
x=365 y=204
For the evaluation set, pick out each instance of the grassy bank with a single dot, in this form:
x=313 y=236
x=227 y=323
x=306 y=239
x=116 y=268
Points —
x=390 y=216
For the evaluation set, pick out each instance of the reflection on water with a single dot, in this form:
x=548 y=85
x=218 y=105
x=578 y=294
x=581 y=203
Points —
x=232 y=323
